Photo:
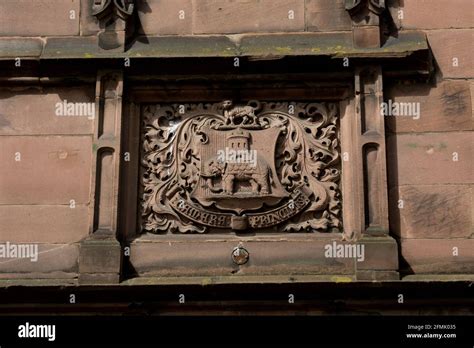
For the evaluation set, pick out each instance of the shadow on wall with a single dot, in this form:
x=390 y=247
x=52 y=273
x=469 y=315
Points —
x=393 y=199
x=139 y=33
x=388 y=25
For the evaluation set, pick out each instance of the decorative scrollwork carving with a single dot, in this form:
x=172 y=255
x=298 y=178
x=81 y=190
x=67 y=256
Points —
x=284 y=172
x=308 y=155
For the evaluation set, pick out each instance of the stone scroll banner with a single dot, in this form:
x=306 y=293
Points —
x=260 y=220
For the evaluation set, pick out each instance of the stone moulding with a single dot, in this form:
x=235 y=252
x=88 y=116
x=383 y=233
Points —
x=337 y=45
x=100 y=254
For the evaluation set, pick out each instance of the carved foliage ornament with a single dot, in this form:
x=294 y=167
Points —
x=263 y=166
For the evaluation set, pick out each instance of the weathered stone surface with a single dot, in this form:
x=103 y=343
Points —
x=445 y=107
x=438 y=278
x=377 y=276
x=55 y=278
x=51 y=170
x=95 y=279
x=159 y=17
x=366 y=36
x=439 y=14
x=33 y=111
x=39 y=17
x=206 y=255
x=379 y=254
x=436 y=255
x=327 y=15
x=100 y=257
x=452 y=51
x=43 y=223
x=51 y=258
x=20 y=47
x=430 y=158
x=225 y=16
x=89 y=24
x=432 y=211
x=336 y=44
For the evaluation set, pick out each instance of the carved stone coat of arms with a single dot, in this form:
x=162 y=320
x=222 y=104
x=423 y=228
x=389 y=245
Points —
x=258 y=167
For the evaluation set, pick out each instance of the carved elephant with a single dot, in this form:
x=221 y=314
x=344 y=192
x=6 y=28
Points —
x=258 y=176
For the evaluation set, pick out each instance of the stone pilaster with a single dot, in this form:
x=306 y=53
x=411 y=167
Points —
x=100 y=257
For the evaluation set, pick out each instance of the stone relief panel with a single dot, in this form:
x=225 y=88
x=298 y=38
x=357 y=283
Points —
x=255 y=167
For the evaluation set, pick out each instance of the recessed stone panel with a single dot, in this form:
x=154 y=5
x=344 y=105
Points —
x=208 y=256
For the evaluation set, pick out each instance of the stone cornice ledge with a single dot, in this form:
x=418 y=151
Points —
x=206 y=281
x=337 y=45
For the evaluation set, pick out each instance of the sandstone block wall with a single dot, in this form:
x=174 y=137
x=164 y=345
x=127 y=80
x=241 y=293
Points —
x=430 y=159
x=45 y=177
